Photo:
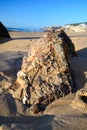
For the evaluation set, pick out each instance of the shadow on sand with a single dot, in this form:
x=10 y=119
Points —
x=28 y=122
x=8 y=116
x=10 y=62
x=21 y=38
x=4 y=40
x=79 y=70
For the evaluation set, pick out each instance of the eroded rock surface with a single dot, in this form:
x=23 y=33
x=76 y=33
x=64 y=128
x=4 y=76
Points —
x=45 y=72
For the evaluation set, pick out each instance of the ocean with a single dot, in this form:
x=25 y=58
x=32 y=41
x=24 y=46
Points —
x=24 y=29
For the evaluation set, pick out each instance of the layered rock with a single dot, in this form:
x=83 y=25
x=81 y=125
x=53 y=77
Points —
x=45 y=72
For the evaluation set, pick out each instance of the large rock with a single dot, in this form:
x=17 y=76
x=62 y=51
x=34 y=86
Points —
x=45 y=72
x=3 y=31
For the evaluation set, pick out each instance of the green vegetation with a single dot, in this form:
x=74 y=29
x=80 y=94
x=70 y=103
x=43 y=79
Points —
x=76 y=24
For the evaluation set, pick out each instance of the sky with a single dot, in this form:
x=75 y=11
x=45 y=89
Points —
x=42 y=13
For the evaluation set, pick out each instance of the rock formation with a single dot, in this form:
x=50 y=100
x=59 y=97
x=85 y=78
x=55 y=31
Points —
x=3 y=31
x=80 y=101
x=45 y=72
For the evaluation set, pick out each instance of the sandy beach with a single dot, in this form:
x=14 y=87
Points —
x=60 y=115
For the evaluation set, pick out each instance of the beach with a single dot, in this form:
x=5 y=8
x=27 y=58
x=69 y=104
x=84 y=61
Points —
x=59 y=115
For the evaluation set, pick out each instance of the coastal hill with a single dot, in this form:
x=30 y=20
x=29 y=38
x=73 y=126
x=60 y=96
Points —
x=76 y=27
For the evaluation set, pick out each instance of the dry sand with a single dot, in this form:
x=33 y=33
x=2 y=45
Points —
x=60 y=115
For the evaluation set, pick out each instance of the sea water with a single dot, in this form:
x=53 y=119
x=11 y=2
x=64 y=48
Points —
x=24 y=29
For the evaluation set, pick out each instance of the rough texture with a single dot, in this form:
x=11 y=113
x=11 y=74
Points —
x=45 y=74
x=5 y=82
x=3 y=31
x=80 y=101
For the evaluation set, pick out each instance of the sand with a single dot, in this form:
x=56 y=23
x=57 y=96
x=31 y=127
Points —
x=60 y=115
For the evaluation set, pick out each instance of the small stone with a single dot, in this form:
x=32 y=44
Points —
x=3 y=127
x=80 y=101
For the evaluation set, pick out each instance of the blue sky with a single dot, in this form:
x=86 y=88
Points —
x=42 y=13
